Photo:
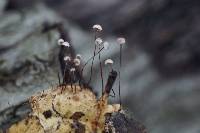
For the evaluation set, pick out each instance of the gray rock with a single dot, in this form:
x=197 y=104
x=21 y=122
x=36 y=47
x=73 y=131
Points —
x=2 y=5
x=26 y=55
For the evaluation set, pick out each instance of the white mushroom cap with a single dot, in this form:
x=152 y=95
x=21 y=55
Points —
x=60 y=41
x=121 y=40
x=106 y=45
x=77 y=62
x=72 y=69
x=97 y=27
x=98 y=41
x=109 y=62
x=67 y=58
x=78 y=56
x=66 y=44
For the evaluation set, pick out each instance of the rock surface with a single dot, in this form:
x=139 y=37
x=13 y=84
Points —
x=26 y=54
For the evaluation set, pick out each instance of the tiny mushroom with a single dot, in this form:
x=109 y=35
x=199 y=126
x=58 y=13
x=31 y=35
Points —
x=78 y=56
x=72 y=69
x=77 y=62
x=98 y=41
x=97 y=27
x=60 y=41
x=66 y=44
x=109 y=62
x=121 y=40
x=67 y=58
x=106 y=45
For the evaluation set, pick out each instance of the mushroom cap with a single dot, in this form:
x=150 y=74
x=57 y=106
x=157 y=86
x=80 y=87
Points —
x=67 y=58
x=121 y=40
x=98 y=41
x=72 y=69
x=108 y=62
x=106 y=45
x=60 y=41
x=97 y=27
x=66 y=44
x=77 y=62
x=78 y=56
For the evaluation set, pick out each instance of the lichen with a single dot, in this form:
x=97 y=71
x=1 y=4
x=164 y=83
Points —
x=66 y=109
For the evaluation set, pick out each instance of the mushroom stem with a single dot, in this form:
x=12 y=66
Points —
x=101 y=71
x=71 y=80
x=87 y=63
x=120 y=65
x=91 y=69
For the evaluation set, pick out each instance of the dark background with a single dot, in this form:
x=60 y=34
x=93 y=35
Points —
x=161 y=60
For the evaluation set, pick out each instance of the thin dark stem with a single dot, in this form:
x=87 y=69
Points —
x=71 y=84
x=64 y=74
x=91 y=58
x=91 y=69
x=120 y=65
x=71 y=80
x=88 y=62
x=101 y=71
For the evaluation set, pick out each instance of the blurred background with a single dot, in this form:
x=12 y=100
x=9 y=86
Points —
x=161 y=59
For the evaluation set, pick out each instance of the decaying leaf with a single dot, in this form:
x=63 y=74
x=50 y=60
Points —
x=66 y=109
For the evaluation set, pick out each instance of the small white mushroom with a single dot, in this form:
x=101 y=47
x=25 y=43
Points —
x=67 y=58
x=60 y=41
x=121 y=40
x=98 y=41
x=77 y=62
x=66 y=44
x=109 y=62
x=78 y=56
x=97 y=27
x=72 y=69
x=106 y=45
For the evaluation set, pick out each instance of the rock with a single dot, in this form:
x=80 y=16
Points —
x=26 y=54
x=2 y=5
